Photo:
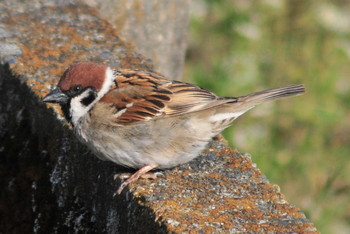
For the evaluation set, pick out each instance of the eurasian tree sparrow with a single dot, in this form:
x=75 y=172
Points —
x=141 y=120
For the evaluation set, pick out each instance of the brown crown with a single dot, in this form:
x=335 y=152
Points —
x=84 y=74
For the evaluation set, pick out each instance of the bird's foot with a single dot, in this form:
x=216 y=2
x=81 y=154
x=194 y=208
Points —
x=144 y=173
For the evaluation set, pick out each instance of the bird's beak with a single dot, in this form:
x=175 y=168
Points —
x=56 y=96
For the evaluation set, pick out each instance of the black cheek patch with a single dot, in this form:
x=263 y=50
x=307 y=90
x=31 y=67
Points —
x=65 y=109
x=89 y=99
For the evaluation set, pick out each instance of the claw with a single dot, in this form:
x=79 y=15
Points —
x=142 y=172
x=152 y=175
x=122 y=176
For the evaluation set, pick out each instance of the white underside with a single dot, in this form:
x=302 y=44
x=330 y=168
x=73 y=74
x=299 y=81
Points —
x=149 y=143
x=230 y=115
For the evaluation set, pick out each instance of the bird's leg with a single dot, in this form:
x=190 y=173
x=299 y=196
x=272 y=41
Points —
x=142 y=172
x=148 y=175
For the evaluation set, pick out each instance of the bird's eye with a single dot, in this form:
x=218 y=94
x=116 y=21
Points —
x=76 y=89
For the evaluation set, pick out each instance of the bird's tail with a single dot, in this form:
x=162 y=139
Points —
x=272 y=94
x=238 y=106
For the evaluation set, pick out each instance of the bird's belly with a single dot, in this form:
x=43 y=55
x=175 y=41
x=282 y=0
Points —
x=109 y=145
x=163 y=144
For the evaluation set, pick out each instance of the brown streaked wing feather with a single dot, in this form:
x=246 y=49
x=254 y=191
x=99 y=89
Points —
x=188 y=98
x=153 y=96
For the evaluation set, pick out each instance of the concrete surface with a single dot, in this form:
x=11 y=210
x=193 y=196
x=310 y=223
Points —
x=53 y=184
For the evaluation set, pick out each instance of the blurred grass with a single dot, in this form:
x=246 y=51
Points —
x=301 y=143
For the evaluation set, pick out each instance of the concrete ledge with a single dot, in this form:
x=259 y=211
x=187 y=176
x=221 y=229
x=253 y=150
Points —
x=53 y=184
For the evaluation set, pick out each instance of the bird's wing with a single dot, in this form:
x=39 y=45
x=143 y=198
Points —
x=143 y=96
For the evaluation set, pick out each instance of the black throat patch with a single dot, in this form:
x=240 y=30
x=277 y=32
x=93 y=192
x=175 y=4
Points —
x=65 y=109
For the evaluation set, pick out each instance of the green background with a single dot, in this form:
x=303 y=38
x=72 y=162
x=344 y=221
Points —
x=301 y=143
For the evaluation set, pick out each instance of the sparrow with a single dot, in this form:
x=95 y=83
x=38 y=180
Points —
x=141 y=120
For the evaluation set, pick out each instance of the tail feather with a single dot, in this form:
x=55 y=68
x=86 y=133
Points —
x=272 y=94
x=238 y=106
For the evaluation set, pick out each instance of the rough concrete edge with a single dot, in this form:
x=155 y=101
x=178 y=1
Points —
x=47 y=182
x=131 y=211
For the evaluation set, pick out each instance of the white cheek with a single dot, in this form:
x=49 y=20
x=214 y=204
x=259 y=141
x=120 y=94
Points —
x=77 y=109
